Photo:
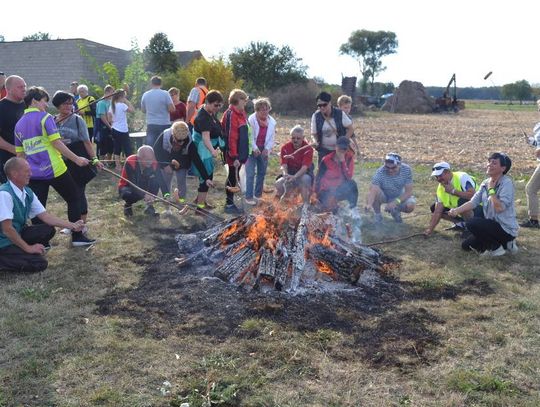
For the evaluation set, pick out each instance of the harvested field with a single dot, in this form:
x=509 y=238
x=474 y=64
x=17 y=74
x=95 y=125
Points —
x=121 y=324
x=463 y=139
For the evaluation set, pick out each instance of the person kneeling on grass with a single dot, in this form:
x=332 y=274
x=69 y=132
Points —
x=499 y=228
x=391 y=184
x=455 y=188
x=176 y=153
x=334 y=181
x=142 y=170
x=21 y=246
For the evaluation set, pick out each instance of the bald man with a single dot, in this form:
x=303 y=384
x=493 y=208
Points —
x=11 y=110
x=142 y=170
x=22 y=246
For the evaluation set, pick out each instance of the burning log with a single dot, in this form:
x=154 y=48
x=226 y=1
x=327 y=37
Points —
x=231 y=270
x=348 y=267
x=299 y=252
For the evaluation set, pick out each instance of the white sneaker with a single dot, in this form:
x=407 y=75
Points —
x=499 y=251
x=512 y=246
x=251 y=201
x=67 y=231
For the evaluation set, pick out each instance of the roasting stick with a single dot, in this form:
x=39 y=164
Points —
x=182 y=208
x=91 y=103
x=395 y=240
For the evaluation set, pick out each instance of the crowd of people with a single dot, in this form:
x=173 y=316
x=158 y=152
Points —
x=38 y=151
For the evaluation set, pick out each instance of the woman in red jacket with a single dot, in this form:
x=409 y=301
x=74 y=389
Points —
x=236 y=133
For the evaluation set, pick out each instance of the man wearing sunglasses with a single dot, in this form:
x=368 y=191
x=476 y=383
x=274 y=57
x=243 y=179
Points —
x=392 y=185
x=328 y=124
x=455 y=188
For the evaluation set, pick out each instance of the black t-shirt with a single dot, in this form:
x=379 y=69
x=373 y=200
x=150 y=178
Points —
x=10 y=113
x=204 y=121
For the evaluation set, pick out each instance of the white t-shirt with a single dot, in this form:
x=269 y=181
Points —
x=119 y=117
x=329 y=136
x=6 y=203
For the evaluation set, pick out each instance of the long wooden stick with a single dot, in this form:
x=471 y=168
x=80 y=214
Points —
x=91 y=103
x=297 y=151
x=395 y=240
x=180 y=208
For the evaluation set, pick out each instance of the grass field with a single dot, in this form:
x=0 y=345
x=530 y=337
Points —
x=120 y=325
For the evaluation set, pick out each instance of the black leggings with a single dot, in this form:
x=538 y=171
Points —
x=486 y=235
x=66 y=188
x=121 y=142
x=203 y=186
x=231 y=182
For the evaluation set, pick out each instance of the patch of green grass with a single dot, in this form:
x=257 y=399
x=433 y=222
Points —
x=324 y=338
x=526 y=306
x=256 y=326
x=515 y=106
x=105 y=396
x=210 y=393
x=36 y=294
x=219 y=361
x=33 y=368
x=468 y=381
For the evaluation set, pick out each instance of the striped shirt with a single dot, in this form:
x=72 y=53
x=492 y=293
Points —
x=34 y=134
x=393 y=185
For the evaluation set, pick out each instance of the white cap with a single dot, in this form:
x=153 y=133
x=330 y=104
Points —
x=439 y=168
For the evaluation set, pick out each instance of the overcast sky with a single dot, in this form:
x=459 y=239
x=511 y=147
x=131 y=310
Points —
x=436 y=39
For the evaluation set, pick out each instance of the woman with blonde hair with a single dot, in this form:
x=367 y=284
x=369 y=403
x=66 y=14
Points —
x=176 y=152
x=117 y=116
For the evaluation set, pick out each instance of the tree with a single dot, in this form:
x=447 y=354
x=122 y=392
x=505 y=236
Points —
x=217 y=72
x=39 y=36
x=369 y=47
x=520 y=90
x=2 y=38
x=159 y=55
x=264 y=66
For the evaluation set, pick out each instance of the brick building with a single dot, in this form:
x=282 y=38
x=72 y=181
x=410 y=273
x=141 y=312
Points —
x=54 y=64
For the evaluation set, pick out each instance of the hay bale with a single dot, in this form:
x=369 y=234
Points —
x=410 y=97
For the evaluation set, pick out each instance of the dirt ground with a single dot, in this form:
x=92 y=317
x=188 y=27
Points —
x=177 y=301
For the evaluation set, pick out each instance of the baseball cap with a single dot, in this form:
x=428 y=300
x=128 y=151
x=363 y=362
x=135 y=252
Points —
x=393 y=157
x=343 y=142
x=439 y=168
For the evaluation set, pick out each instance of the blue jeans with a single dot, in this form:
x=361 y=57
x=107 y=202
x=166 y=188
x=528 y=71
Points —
x=259 y=162
x=153 y=131
x=181 y=181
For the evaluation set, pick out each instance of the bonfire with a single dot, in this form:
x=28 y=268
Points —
x=287 y=249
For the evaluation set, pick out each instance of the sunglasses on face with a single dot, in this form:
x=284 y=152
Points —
x=322 y=104
x=438 y=168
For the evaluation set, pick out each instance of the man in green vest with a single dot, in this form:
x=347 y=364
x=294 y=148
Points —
x=454 y=189
x=21 y=246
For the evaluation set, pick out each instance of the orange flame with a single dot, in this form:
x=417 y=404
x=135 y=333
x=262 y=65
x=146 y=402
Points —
x=229 y=232
x=324 y=268
x=325 y=240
